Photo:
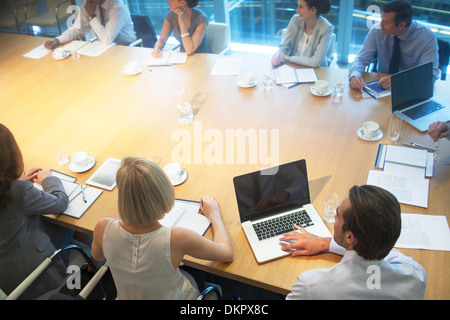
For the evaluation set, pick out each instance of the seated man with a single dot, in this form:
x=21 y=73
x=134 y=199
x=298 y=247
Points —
x=109 y=19
x=417 y=45
x=367 y=226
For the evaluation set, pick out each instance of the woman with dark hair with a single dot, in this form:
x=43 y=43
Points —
x=24 y=243
x=308 y=36
x=188 y=25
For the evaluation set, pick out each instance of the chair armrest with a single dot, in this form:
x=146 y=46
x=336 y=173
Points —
x=136 y=43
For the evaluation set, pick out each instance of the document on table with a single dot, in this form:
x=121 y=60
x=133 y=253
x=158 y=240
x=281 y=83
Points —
x=407 y=190
x=38 y=52
x=424 y=232
x=289 y=76
x=94 y=49
x=167 y=58
x=226 y=66
x=185 y=214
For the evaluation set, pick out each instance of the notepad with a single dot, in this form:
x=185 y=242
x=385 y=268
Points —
x=289 y=76
x=185 y=214
x=376 y=91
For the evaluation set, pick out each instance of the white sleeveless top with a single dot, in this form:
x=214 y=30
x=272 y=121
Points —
x=141 y=265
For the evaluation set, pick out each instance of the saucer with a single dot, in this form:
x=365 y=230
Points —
x=181 y=178
x=132 y=72
x=377 y=136
x=78 y=169
x=66 y=55
x=247 y=85
x=325 y=94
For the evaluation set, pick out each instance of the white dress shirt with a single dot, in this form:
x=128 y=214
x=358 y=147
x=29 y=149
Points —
x=118 y=26
x=395 y=277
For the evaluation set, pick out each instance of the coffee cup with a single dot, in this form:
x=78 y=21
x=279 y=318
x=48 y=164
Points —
x=370 y=128
x=247 y=78
x=59 y=53
x=80 y=159
x=321 y=86
x=173 y=171
x=131 y=67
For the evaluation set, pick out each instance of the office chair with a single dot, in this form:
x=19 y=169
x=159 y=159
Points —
x=218 y=37
x=444 y=53
x=55 y=15
x=73 y=260
x=12 y=14
x=144 y=31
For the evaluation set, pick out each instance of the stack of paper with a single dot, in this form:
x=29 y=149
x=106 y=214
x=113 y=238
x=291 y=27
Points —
x=404 y=172
x=185 y=214
x=167 y=58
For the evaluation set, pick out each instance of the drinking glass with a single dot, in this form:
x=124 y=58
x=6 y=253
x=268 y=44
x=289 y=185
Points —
x=183 y=102
x=395 y=126
x=331 y=204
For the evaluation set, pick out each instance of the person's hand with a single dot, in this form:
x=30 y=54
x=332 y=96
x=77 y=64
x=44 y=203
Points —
x=156 y=53
x=305 y=243
x=30 y=174
x=52 y=44
x=438 y=130
x=385 y=82
x=356 y=83
x=180 y=12
x=209 y=208
x=41 y=175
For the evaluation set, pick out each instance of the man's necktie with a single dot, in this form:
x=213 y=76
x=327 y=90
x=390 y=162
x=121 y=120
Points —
x=395 y=59
x=102 y=16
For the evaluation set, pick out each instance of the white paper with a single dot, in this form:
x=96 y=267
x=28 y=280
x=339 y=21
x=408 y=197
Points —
x=228 y=66
x=406 y=189
x=285 y=75
x=185 y=214
x=167 y=58
x=408 y=156
x=424 y=232
x=94 y=49
x=38 y=52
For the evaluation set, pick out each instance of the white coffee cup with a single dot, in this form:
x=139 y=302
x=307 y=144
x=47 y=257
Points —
x=131 y=67
x=59 y=53
x=80 y=159
x=321 y=86
x=370 y=128
x=247 y=78
x=173 y=171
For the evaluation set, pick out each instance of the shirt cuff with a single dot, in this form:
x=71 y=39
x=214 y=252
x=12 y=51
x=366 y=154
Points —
x=335 y=248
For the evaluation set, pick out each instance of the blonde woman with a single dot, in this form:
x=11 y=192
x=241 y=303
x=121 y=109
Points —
x=144 y=255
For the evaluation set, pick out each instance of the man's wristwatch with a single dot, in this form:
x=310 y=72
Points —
x=91 y=17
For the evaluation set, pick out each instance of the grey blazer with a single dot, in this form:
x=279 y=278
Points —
x=23 y=242
x=321 y=41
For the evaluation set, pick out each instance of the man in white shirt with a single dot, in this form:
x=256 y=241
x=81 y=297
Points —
x=367 y=226
x=109 y=19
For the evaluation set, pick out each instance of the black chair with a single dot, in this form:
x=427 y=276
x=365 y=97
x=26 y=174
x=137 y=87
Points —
x=144 y=31
x=444 y=53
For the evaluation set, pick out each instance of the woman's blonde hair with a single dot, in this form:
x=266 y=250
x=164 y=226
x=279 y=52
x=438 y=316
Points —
x=145 y=192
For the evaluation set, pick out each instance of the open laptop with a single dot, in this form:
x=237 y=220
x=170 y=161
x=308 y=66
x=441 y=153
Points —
x=280 y=196
x=411 y=93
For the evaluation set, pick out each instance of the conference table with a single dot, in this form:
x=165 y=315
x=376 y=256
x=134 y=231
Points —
x=90 y=105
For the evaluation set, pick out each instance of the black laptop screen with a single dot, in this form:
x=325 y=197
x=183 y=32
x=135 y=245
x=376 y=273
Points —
x=267 y=192
x=412 y=86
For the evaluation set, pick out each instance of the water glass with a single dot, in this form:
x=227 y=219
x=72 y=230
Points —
x=183 y=102
x=395 y=126
x=331 y=204
x=339 y=88
x=62 y=156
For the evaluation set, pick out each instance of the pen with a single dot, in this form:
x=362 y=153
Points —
x=84 y=194
x=419 y=146
x=159 y=65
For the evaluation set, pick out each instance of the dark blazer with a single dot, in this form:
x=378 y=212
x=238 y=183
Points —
x=23 y=242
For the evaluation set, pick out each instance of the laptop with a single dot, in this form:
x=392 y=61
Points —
x=411 y=93
x=270 y=201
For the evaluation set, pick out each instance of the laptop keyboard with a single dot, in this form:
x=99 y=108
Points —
x=423 y=109
x=277 y=226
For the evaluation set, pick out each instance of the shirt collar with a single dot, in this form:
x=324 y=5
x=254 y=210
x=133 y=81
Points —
x=352 y=255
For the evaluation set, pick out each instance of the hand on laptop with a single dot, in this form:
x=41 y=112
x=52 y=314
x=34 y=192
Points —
x=306 y=243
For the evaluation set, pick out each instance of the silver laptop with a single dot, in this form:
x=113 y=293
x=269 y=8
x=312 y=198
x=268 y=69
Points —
x=270 y=201
x=411 y=93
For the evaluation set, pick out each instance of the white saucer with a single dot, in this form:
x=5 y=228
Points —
x=247 y=85
x=181 y=178
x=325 y=94
x=66 y=55
x=78 y=169
x=377 y=136
x=132 y=72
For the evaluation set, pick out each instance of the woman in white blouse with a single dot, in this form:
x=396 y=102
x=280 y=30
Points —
x=308 y=36
x=143 y=255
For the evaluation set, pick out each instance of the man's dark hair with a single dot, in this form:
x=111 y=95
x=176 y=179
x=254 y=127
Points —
x=374 y=219
x=403 y=11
